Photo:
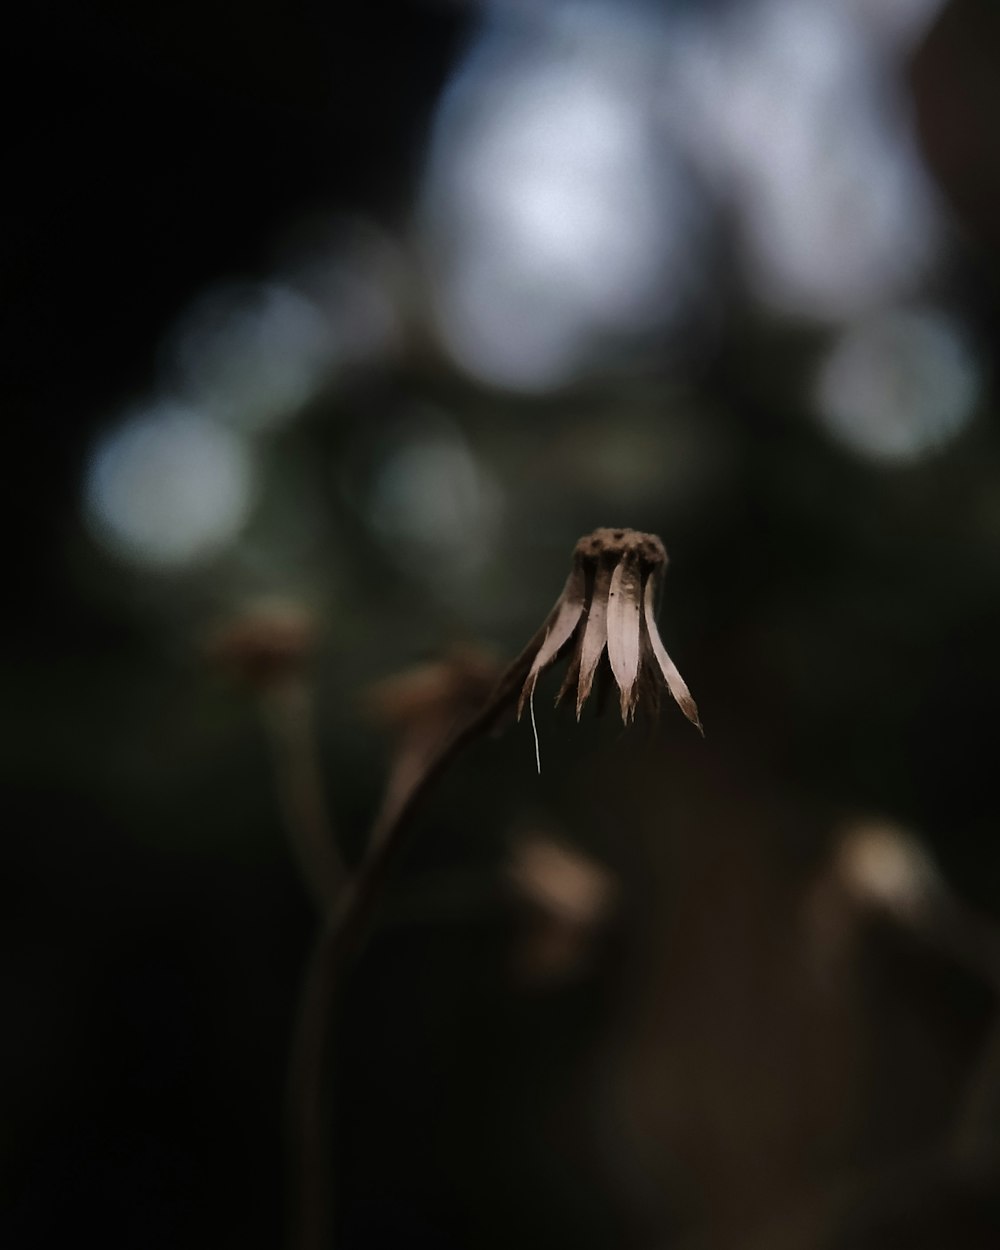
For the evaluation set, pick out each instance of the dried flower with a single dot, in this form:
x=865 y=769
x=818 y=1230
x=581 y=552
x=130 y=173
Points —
x=607 y=609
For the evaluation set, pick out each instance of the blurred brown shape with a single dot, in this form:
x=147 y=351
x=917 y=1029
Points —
x=802 y=1034
x=880 y=863
x=268 y=646
x=956 y=87
x=266 y=642
x=421 y=708
x=877 y=869
x=567 y=897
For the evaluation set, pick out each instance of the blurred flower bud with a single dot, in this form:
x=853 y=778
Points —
x=266 y=643
x=567 y=897
x=883 y=866
x=421 y=708
x=429 y=698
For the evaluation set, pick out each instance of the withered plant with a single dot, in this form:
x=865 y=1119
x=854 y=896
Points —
x=604 y=622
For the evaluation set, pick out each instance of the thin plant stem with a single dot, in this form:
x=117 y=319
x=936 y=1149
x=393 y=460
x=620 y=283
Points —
x=287 y=711
x=974 y=1133
x=345 y=925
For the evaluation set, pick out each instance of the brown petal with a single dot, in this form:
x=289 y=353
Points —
x=565 y=617
x=675 y=682
x=649 y=694
x=595 y=635
x=572 y=670
x=623 y=632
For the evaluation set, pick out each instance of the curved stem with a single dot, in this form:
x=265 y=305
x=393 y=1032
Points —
x=345 y=924
x=287 y=712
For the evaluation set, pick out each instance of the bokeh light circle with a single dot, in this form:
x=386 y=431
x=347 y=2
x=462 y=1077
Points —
x=168 y=487
x=898 y=385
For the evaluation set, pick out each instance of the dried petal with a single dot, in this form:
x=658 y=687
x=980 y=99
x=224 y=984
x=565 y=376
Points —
x=623 y=632
x=595 y=634
x=650 y=686
x=572 y=676
x=565 y=617
x=675 y=682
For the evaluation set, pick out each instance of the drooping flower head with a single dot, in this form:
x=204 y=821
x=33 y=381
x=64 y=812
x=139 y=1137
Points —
x=606 y=615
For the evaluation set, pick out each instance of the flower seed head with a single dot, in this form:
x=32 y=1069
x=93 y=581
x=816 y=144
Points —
x=605 y=617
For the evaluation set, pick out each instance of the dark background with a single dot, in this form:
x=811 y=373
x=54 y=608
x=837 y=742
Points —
x=836 y=618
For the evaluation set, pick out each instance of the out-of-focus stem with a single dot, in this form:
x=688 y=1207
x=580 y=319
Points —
x=287 y=711
x=975 y=1134
x=345 y=925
